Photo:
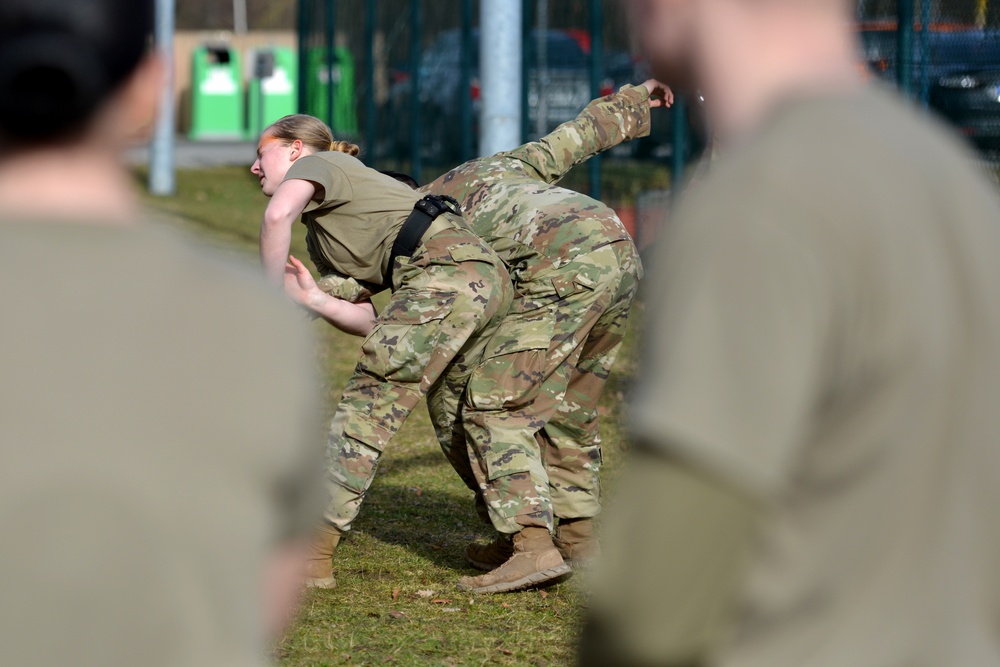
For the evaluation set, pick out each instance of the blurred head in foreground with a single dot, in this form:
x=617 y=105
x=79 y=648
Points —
x=814 y=477
x=156 y=452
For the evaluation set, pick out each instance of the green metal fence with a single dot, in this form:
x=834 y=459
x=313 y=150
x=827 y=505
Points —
x=401 y=76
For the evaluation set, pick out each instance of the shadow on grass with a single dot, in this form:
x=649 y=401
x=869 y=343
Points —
x=433 y=524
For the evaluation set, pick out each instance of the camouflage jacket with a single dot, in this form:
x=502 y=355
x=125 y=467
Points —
x=511 y=200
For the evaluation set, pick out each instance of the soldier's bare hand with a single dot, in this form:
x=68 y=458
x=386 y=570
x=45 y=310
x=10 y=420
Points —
x=660 y=94
x=300 y=285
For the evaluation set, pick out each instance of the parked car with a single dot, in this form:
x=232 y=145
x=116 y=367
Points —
x=970 y=100
x=962 y=74
x=566 y=91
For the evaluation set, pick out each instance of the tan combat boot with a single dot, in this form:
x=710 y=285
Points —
x=319 y=569
x=535 y=561
x=490 y=556
x=577 y=543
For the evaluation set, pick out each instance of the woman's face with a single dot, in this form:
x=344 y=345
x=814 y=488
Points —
x=274 y=158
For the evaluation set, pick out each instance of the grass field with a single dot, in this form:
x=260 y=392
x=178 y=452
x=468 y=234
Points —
x=397 y=602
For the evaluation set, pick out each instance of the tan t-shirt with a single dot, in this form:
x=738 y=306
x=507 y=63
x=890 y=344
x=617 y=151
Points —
x=355 y=217
x=158 y=439
x=826 y=336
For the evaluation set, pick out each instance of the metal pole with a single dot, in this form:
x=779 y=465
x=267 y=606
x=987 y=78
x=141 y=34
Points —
x=371 y=111
x=680 y=127
x=596 y=57
x=415 y=107
x=527 y=25
x=542 y=67
x=331 y=60
x=240 y=17
x=925 y=52
x=162 y=179
x=465 y=85
x=500 y=61
x=904 y=54
x=304 y=72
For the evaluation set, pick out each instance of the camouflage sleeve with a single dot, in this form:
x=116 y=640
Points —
x=604 y=124
x=343 y=287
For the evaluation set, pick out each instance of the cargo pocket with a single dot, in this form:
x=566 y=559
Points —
x=406 y=335
x=502 y=464
x=472 y=253
x=566 y=286
x=512 y=372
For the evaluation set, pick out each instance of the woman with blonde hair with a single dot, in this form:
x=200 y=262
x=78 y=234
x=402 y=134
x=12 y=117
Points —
x=450 y=291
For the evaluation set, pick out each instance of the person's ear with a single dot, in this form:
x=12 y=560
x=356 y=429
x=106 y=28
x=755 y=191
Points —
x=296 y=150
x=140 y=96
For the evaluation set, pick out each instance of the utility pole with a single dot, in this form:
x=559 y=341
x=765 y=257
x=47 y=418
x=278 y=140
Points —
x=162 y=180
x=500 y=58
x=240 y=17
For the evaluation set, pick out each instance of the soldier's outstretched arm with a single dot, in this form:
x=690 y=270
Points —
x=604 y=124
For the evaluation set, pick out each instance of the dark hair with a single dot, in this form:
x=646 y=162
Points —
x=60 y=60
x=402 y=178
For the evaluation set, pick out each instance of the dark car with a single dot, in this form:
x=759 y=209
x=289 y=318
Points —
x=566 y=85
x=961 y=75
x=965 y=84
x=970 y=100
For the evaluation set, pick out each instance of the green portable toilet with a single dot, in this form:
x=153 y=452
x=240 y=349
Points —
x=273 y=89
x=217 y=101
x=345 y=116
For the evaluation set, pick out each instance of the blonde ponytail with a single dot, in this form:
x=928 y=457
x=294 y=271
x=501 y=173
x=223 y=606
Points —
x=345 y=147
x=312 y=132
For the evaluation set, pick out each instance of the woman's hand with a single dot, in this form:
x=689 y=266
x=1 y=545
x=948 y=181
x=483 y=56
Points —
x=300 y=286
x=660 y=94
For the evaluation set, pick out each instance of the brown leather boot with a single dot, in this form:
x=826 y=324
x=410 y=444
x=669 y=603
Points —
x=535 y=561
x=319 y=569
x=577 y=543
x=490 y=556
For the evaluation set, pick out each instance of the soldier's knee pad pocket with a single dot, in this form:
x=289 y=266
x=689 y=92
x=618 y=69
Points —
x=512 y=372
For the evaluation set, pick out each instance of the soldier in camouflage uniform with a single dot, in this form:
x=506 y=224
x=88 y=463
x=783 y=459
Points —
x=531 y=406
x=450 y=292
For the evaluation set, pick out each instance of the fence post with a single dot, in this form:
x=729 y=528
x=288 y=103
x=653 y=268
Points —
x=680 y=136
x=304 y=13
x=925 y=52
x=527 y=25
x=904 y=52
x=415 y=107
x=371 y=111
x=465 y=85
x=330 y=35
x=596 y=58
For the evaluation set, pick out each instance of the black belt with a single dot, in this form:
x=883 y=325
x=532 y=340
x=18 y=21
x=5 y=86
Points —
x=426 y=211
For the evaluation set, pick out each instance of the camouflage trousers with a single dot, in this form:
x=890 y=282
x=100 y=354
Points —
x=451 y=297
x=524 y=434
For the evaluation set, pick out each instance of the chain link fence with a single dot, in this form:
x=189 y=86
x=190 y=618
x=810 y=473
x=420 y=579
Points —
x=401 y=77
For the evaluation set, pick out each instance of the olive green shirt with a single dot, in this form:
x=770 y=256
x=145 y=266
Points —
x=354 y=218
x=825 y=336
x=159 y=439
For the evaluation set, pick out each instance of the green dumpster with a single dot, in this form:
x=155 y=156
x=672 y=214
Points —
x=345 y=116
x=273 y=89
x=217 y=101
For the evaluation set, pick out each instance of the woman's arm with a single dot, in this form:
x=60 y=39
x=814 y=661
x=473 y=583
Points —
x=604 y=124
x=357 y=319
x=287 y=204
